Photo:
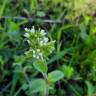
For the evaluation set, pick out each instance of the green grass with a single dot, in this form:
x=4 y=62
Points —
x=73 y=28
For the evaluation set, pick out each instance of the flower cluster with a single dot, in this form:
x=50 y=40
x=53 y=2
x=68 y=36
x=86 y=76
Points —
x=40 y=45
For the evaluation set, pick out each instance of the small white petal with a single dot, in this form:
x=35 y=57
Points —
x=43 y=32
x=26 y=29
x=37 y=57
x=33 y=27
x=28 y=41
x=34 y=51
x=40 y=54
x=26 y=35
x=41 y=43
x=32 y=30
x=38 y=50
x=34 y=55
x=26 y=52
x=39 y=29
x=54 y=41
x=46 y=39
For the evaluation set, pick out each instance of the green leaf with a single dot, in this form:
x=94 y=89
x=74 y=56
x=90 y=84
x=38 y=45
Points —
x=55 y=76
x=37 y=85
x=90 y=88
x=79 y=4
x=14 y=82
x=33 y=4
x=25 y=86
x=59 y=55
x=2 y=7
x=40 y=14
x=67 y=70
x=41 y=66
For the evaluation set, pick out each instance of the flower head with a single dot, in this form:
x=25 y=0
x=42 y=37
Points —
x=40 y=44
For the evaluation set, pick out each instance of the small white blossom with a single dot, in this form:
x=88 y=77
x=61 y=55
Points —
x=37 y=57
x=34 y=56
x=32 y=30
x=28 y=41
x=26 y=29
x=46 y=39
x=26 y=52
x=34 y=52
x=40 y=54
x=26 y=35
x=38 y=50
x=54 y=41
x=41 y=43
x=43 y=33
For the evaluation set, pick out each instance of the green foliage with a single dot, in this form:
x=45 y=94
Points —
x=41 y=66
x=40 y=46
x=37 y=85
x=68 y=71
x=90 y=88
x=55 y=57
x=55 y=76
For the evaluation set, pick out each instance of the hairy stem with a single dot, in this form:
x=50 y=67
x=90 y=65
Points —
x=47 y=88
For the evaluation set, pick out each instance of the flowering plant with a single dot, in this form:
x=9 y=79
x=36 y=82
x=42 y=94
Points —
x=40 y=46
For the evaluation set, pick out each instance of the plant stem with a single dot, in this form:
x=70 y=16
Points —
x=47 y=88
x=47 y=91
x=26 y=77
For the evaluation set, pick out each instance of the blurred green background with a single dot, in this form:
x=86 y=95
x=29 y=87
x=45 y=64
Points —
x=72 y=23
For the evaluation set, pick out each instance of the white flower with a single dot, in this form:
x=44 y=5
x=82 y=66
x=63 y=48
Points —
x=34 y=56
x=37 y=57
x=32 y=30
x=26 y=52
x=26 y=29
x=34 y=52
x=46 y=39
x=41 y=43
x=54 y=41
x=26 y=35
x=40 y=54
x=43 y=32
x=38 y=50
x=28 y=41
